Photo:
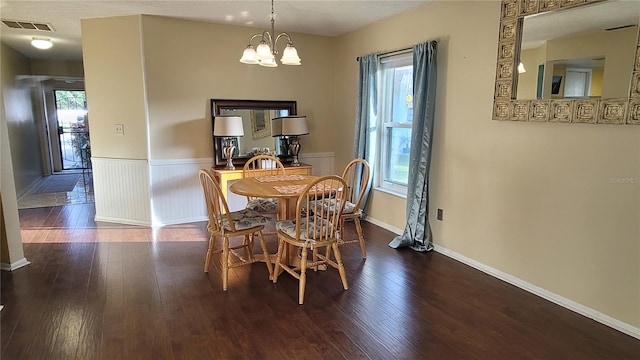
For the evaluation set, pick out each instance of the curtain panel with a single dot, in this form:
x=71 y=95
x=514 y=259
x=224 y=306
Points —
x=366 y=112
x=417 y=232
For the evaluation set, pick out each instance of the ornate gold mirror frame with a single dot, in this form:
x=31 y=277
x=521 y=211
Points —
x=591 y=111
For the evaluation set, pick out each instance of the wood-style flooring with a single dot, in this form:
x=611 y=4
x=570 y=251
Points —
x=104 y=291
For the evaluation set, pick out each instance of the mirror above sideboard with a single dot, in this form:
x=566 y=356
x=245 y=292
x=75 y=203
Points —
x=256 y=118
x=562 y=43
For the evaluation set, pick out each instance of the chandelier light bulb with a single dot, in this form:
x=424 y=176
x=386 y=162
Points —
x=269 y=62
x=249 y=56
x=263 y=51
x=290 y=56
x=521 y=68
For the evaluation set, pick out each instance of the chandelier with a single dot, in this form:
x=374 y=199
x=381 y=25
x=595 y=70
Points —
x=265 y=53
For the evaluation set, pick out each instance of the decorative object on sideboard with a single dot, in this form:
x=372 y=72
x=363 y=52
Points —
x=229 y=128
x=264 y=54
x=292 y=127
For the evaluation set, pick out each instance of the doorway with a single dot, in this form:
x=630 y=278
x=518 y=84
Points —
x=577 y=83
x=72 y=129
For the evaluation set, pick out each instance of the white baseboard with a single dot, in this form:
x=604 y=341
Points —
x=16 y=265
x=533 y=289
x=181 y=221
x=384 y=225
x=122 y=221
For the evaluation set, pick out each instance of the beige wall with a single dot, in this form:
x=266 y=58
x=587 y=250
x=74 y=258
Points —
x=162 y=88
x=187 y=63
x=57 y=68
x=115 y=88
x=537 y=201
x=12 y=106
x=22 y=127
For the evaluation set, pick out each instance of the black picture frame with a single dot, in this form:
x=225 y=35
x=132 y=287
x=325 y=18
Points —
x=556 y=81
x=220 y=104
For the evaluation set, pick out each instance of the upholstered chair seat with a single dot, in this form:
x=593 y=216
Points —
x=265 y=206
x=311 y=229
x=244 y=219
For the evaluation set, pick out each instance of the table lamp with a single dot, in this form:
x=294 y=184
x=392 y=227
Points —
x=228 y=128
x=293 y=127
x=276 y=131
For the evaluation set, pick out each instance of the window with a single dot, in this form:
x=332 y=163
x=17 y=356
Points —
x=395 y=99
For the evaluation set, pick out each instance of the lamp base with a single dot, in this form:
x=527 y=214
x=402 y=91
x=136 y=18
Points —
x=228 y=150
x=294 y=149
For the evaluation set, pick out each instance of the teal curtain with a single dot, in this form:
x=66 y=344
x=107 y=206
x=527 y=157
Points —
x=417 y=232
x=366 y=118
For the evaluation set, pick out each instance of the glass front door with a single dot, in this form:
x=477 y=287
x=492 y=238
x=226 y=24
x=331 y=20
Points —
x=73 y=128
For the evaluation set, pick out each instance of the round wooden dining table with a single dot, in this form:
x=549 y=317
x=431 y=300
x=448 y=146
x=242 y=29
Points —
x=285 y=188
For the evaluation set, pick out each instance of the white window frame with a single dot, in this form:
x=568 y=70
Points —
x=384 y=122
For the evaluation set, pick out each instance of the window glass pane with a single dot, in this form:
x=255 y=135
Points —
x=397 y=155
x=402 y=96
x=395 y=113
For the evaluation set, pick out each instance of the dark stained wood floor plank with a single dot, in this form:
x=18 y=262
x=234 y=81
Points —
x=108 y=291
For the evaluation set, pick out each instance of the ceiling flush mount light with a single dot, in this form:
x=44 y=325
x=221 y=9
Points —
x=41 y=43
x=265 y=53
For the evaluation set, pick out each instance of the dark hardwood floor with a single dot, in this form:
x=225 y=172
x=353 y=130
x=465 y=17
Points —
x=104 y=291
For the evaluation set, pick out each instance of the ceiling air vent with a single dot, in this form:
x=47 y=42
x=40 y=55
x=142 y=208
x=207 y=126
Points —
x=27 y=25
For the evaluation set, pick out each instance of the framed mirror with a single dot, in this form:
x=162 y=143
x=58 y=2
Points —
x=256 y=119
x=568 y=61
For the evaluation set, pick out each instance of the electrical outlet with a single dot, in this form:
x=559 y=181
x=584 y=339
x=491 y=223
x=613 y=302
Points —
x=440 y=214
x=118 y=129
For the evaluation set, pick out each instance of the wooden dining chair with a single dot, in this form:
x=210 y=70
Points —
x=356 y=175
x=226 y=224
x=262 y=165
x=314 y=228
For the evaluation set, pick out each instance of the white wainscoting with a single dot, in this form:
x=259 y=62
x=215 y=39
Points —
x=322 y=162
x=121 y=188
x=162 y=192
x=176 y=193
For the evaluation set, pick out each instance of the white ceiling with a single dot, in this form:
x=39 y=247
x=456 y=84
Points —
x=319 y=17
x=595 y=17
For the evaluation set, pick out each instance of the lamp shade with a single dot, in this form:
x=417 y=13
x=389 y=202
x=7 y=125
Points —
x=228 y=126
x=276 y=127
x=294 y=125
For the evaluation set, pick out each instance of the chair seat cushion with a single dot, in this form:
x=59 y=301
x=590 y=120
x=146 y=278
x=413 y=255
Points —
x=245 y=219
x=349 y=207
x=321 y=227
x=263 y=205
